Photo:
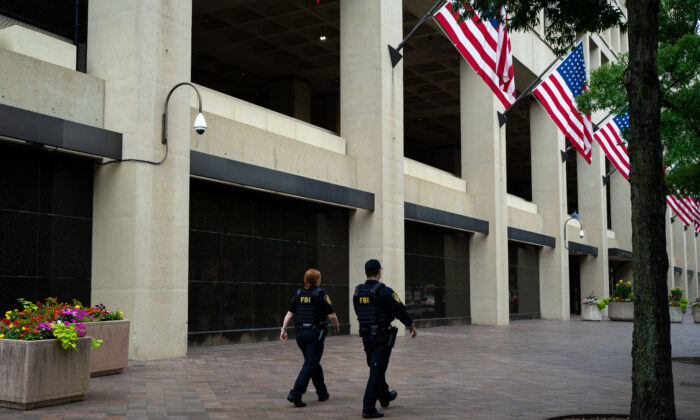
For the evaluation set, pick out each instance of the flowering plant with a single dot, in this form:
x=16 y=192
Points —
x=696 y=304
x=623 y=292
x=42 y=321
x=591 y=299
x=676 y=293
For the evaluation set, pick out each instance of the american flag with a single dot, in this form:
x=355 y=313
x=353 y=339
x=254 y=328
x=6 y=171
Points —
x=695 y=211
x=614 y=145
x=682 y=209
x=557 y=95
x=486 y=47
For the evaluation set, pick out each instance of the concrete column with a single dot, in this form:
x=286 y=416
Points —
x=549 y=193
x=692 y=252
x=621 y=210
x=141 y=49
x=592 y=209
x=679 y=256
x=484 y=169
x=371 y=103
x=670 y=247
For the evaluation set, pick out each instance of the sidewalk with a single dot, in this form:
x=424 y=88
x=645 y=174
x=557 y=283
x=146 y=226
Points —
x=532 y=369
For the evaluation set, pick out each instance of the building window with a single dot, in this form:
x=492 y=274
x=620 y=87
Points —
x=523 y=280
x=45 y=226
x=437 y=274
x=248 y=254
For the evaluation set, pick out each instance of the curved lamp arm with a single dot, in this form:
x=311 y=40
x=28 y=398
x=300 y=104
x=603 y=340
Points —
x=576 y=217
x=164 y=138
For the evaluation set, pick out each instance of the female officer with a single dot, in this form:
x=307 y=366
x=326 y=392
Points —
x=311 y=306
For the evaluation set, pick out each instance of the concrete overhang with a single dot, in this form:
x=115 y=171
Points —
x=532 y=238
x=41 y=129
x=203 y=165
x=617 y=254
x=423 y=214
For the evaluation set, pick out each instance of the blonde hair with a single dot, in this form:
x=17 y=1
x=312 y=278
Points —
x=311 y=277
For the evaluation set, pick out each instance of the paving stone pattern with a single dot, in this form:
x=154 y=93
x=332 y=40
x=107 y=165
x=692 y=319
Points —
x=531 y=369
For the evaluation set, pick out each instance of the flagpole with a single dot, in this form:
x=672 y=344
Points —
x=595 y=127
x=606 y=177
x=502 y=117
x=394 y=52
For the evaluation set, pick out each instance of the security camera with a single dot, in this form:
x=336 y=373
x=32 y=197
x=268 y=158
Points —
x=200 y=124
x=580 y=234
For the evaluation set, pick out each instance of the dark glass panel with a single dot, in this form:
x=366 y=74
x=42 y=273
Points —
x=204 y=306
x=268 y=219
x=237 y=259
x=205 y=207
x=333 y=262
x=267 y=255
x=18 y=243
x=204 y=256
x=19 y=180
x=292 y=262
x=66 y=187
x=332 y=226
x=237 y=212
x=64 y=247
x=13 y=288
x=437 y=272
x=236 y=306
x=266 y=306
x=297 y=222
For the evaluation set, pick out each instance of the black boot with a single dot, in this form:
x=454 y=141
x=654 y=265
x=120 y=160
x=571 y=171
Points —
x=392 y=396
x=373 y=415
x=296 y=400
x=324 y=397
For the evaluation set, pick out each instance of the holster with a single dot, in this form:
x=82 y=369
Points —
x=393 y=331
x=323 y=330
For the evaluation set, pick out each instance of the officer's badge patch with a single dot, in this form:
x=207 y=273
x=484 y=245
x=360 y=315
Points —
x=328 y=299
x=396 y=297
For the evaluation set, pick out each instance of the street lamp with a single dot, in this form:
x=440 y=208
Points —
x=200 y=124
x=573 y=216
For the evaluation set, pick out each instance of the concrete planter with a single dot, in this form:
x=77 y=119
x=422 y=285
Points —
x=675 y=313
x=113 y=355
x=41 y=373
x=696 y=315
x=621 y=311
x=590 y=313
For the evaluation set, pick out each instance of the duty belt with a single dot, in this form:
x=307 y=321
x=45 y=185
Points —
x=366 y=330
x=304 y=325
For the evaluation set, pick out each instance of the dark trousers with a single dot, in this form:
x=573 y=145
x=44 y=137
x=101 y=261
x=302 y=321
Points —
x=378 y=352
x=312 y=349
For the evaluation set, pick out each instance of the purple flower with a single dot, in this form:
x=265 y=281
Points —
x=81 y=333
x=66 y=323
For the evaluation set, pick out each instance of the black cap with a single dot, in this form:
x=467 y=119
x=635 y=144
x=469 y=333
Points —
x=372 y=266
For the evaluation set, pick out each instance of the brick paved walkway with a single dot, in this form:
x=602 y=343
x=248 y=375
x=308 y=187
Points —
x=531 y=369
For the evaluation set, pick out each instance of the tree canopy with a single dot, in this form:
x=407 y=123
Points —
x=679 y=82
x=564 y=20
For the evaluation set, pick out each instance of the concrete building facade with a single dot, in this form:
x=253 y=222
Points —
x=354 y=159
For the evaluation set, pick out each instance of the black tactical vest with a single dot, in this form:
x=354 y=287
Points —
x=367 y=308
x=308 y=305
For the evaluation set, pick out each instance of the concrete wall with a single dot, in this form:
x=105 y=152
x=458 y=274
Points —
x=35 y=85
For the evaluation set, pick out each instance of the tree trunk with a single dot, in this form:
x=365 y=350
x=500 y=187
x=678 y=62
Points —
x=652 y=376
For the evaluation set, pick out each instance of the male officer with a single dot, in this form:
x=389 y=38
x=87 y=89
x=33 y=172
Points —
x=376 y=305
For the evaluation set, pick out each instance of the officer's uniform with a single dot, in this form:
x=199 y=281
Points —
x=376 y=305
x=311 y=308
